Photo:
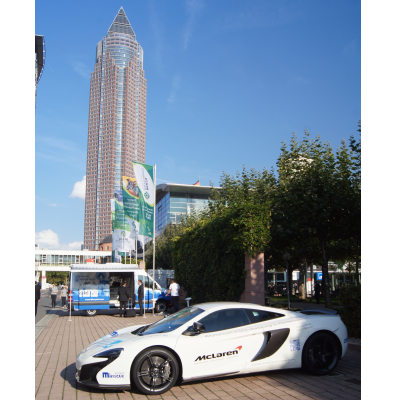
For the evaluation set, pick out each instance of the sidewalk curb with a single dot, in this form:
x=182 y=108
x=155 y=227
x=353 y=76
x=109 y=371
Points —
x=354 y=347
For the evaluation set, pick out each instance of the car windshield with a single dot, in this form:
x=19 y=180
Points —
x=172 y=322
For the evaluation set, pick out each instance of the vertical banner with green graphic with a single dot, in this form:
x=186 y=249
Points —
x=145 y=183
x=123 y=229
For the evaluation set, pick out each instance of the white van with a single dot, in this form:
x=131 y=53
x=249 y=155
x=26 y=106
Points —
x=95 y=286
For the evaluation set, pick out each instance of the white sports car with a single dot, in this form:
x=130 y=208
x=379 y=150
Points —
x=213 y=339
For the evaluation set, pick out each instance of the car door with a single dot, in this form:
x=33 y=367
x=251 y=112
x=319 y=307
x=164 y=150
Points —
x=223 y=348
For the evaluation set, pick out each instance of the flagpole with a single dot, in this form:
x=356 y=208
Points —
x=154 y=236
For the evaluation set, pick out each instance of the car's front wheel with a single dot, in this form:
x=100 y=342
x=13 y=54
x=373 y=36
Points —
x=321 y=354
x=155 y=370
x=91 y=313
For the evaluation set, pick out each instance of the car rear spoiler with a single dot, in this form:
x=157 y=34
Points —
x=313 y=311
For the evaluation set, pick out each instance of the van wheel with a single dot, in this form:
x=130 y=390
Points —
x=161 y=306
x=91 y=313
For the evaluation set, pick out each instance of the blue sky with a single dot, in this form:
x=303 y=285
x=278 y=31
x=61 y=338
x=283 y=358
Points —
x=228 y=82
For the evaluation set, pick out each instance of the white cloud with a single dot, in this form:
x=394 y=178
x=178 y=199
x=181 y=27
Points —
x=194 y=9
x=53 y=205
x=176 y=84
x=49 y=239
x=79 y=189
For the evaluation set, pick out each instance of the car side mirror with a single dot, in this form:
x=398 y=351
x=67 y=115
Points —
x=198 y=327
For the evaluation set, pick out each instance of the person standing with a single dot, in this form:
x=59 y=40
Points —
x=54 y=291
x=63 y=296
x=295 y=288
x=123 y=298
x=140 y=295
x=37 y=296
x=317 y=290
x=174 y=290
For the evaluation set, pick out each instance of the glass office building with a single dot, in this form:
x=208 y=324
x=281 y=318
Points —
x=174 y=200
x=117 y=124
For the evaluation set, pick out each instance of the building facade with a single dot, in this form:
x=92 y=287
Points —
x=61 y=260
x=174 y=200
x=117 y=124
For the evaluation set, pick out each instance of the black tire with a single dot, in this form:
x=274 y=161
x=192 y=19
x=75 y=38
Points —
x=91 y=313
x=321 y=354
x=155 y=370
x=161 y=306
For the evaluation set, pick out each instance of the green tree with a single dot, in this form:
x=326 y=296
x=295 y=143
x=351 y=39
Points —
x=163 y=247
x=313 y=200
x=57 y=277
x=208 y=255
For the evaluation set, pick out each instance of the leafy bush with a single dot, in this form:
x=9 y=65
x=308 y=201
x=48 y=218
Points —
x=208 y=254
x=207 y=265
x=350 y=298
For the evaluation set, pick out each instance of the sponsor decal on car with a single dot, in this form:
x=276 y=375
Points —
x=345 y=340
x=111 y=344
x=219 y=355
x=115 y=333
x=117 y=375
x=295 y=345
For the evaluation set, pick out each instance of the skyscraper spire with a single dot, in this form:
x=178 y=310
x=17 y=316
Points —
x=121 y=24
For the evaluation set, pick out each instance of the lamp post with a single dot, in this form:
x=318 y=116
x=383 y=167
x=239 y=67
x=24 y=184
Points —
x=286 y=257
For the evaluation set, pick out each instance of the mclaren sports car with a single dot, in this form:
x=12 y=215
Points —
x=213 y=339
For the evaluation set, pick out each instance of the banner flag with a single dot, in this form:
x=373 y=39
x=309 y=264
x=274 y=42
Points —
x=130 y=194
x=145 y=183
x=124 y=229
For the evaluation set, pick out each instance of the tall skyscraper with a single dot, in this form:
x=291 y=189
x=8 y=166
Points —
x=117 y=124
x=40 y=53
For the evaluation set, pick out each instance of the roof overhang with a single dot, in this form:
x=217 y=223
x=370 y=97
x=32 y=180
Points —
x=179 y=188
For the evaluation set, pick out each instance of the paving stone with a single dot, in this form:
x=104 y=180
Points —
x=60 y=341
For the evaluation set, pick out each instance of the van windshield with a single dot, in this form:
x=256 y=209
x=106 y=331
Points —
x=172 y=322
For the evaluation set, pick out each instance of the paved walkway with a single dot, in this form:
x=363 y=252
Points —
x=61 y=341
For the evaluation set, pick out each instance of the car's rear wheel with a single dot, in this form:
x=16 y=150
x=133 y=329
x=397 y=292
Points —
x=155 y=370
x=91 y=313
x=321 y=354
x=161 y=306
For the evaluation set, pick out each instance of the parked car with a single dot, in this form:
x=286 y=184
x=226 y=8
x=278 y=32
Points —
x=213 y=339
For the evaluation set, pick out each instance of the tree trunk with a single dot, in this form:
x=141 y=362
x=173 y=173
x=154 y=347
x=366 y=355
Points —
x=290 y=280
x=325 y=274
x=357 y=278
x=302 y=280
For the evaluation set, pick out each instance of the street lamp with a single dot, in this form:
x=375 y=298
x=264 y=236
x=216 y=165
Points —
x=286 y=257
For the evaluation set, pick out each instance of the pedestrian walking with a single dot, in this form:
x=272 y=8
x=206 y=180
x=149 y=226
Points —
x=54 y=292
x=317 y=290
x=63 y=296
x=295 y=288
x=140 y=294
x=123 y=296
x=37 y=296
x=174 y=290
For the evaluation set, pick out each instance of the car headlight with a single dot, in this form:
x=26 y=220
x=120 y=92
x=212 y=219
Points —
x=111 y=354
